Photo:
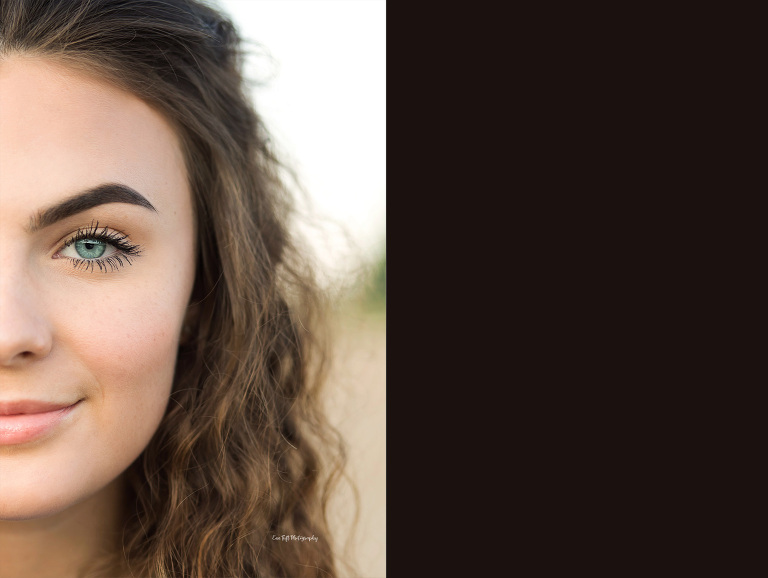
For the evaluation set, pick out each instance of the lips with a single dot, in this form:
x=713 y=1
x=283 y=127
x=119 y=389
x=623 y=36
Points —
x=23 y=421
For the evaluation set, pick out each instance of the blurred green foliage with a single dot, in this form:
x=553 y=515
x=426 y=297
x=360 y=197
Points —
x=366 y=291
x=375 y=296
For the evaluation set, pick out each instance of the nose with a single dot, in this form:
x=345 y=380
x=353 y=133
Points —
x=24 y=333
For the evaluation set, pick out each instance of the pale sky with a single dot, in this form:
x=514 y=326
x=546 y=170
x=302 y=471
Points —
x=325 y=104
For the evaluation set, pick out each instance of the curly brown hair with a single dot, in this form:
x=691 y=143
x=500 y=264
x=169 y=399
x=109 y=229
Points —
x=244 y=451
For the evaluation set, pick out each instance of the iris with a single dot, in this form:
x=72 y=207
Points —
x=90 y=248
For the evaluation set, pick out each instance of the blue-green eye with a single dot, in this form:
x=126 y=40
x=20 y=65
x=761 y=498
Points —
x=90 y=248
x=103 y=248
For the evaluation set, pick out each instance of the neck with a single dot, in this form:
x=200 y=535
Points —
x=66 y=544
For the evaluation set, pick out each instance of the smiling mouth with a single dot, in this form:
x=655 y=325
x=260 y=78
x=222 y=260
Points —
x=24 y=421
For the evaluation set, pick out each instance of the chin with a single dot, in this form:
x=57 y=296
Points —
x=26 y=495
x=18 y=506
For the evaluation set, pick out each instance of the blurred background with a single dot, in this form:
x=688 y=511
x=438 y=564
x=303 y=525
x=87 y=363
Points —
x=317 y=69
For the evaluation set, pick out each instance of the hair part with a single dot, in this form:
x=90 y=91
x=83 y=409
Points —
x=244 y=451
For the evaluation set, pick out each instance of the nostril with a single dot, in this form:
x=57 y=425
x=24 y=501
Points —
x=14 y=353
x=25 y=334
x=22 y=357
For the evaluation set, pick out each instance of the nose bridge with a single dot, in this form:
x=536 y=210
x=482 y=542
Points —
x=24 y=330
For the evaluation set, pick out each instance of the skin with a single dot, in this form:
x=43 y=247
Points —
x=66 y=334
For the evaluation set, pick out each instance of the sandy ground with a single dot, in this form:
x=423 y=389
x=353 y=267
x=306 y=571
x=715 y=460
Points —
x=356 y=396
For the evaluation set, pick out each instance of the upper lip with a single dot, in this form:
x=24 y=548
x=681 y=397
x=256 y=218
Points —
x=30 y=406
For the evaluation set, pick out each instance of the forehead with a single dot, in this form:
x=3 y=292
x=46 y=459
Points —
x=62 y=130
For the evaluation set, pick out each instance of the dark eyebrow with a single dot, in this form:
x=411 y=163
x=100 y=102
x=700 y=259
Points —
x=93 y=197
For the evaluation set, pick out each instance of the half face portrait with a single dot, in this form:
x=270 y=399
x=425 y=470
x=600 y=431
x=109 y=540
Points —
x=163 y=334
x=97 y=248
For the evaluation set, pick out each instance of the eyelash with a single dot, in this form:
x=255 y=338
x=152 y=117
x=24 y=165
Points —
x=124 y=249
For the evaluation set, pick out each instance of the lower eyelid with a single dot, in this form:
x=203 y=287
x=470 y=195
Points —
x=105 y=264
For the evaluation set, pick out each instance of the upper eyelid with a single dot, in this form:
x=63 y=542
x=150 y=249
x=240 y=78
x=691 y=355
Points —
x=118 y=239
x=94 y=230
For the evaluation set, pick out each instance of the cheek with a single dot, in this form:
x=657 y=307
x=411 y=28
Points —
x=128 y=343
x=125 y=346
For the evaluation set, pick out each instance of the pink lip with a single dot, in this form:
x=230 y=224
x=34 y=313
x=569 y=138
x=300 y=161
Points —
x=26 y=420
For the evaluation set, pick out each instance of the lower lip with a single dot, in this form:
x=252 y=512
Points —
x=27 y=427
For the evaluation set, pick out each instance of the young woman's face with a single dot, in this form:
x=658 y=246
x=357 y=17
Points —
x=97 y=246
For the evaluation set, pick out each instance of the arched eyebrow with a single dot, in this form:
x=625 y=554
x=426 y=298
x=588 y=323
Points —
x=87 y=199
